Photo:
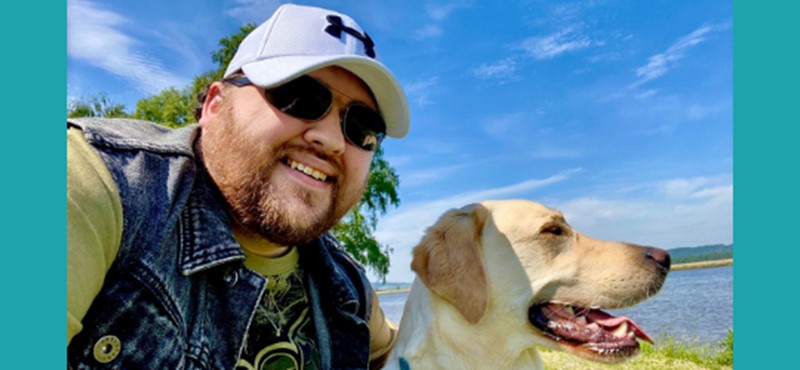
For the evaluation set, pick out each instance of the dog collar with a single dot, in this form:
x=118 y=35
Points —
x=404 y=364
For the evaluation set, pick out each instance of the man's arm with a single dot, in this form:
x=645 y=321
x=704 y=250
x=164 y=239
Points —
x=383 y=335
x=94 y=227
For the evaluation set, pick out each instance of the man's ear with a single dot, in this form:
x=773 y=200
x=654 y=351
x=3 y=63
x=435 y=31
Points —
x=449 y=261
x=212 y=103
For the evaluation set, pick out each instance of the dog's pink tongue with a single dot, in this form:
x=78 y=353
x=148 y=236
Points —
x=604 y=319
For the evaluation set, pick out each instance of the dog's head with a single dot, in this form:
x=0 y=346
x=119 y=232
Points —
x=521 y=261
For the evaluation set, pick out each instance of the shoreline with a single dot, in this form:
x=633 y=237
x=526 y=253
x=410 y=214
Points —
x=678 y=267
x=393 y=291
x=702 y=265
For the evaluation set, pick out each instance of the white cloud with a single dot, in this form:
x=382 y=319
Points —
x=553 y=45
x=442 y=11
x=420 y=91
x=427 y=176
x=695 y=187
x=605 y=57
x=255 y=11
x=697 y=112
x=428 y=32
x=680 y=188
x=503 y=70
x=421 y=85
x=723 y=192
x=674 y=213
x=647 y=94
x=568 y=11
x=661 y=63
x=94 y=35
x=505 y=127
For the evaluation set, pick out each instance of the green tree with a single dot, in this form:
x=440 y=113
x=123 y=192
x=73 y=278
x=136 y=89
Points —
x=174 y=108
x=228 y=46
x=98 y=105
x=171 y=107
x=355 y=230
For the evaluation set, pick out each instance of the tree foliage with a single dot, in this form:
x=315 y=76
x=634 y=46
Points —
x=171 y=107
x=228 y=46
x=355 y=230
x=175 y=108
x=98 y=105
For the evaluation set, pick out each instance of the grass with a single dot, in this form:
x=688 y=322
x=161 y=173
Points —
x=669 y=353
x=702 y=264
x=395 y=290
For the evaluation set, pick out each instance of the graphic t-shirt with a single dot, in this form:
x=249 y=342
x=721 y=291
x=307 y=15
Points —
x=282 y=334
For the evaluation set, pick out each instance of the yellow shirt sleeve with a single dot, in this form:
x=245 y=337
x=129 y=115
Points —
x=94 y=227
x=383 y=334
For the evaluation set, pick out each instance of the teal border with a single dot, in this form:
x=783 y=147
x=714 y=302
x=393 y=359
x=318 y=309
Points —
x=766 y=182
x=33 y=184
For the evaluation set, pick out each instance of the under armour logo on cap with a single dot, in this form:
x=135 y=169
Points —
x=337 y=26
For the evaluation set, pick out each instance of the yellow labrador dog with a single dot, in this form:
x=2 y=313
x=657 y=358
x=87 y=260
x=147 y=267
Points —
x=497 y=279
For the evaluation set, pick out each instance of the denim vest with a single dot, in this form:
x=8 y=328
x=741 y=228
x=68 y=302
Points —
x=178 y=295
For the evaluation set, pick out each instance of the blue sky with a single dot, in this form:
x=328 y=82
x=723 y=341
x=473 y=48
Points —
x=617 y=113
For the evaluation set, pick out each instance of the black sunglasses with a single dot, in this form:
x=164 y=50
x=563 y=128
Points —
x=307 y=99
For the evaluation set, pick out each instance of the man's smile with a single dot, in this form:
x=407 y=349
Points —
x=308 y=170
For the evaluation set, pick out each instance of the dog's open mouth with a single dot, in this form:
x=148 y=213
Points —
x=592 y=333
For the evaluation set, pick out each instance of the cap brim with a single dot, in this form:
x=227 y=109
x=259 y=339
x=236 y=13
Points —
x=384 y=86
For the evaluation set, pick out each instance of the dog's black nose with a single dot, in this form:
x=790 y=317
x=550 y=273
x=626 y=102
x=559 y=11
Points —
x=659 y=256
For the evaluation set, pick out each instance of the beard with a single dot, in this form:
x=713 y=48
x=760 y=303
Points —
x=243 y=172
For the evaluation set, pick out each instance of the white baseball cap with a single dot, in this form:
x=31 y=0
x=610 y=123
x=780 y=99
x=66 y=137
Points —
x=298 y=39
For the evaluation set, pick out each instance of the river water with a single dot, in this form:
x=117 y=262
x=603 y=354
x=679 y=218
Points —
x=693 y=306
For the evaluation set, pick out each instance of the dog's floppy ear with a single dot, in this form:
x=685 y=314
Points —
x=449 y=261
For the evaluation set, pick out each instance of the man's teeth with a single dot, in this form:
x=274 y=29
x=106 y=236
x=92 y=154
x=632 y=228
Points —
x=308 y=171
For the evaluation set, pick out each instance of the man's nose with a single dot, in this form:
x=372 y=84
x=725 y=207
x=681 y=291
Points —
x=326 y=134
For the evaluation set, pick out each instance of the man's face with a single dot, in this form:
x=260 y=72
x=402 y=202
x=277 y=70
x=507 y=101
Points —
x=285 y=179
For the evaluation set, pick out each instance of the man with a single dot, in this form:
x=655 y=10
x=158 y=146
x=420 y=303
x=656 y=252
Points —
x=208 y=246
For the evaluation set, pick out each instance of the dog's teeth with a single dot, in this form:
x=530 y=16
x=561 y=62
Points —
x=622 y=330
x=569 y=310
x=582 y=320
x=593 y=326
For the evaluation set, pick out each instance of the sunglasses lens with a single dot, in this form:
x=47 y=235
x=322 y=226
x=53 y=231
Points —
x=303 y=97
x=308 y=99
x=363 y=127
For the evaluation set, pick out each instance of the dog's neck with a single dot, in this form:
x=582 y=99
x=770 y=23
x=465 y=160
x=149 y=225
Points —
x=430 y=329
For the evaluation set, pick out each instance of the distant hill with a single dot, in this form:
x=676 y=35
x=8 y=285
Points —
x=702 y=253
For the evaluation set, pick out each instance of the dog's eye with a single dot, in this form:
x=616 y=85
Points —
x=553 y=230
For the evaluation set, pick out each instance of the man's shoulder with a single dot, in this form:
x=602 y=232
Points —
x=124 y=133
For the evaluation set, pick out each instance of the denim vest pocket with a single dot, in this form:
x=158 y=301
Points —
x=130 y=328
